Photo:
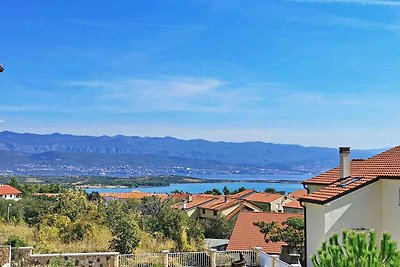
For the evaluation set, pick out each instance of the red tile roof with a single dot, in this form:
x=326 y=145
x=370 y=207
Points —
x=298 y=193
x=220 y=204
x=8 y=190
x=197 y=200
x=363 y=172
x=294 y=204
x=246 y=235
x=243 y=193
x=263 y=197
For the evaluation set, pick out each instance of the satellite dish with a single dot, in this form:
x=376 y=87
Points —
x=1 y=68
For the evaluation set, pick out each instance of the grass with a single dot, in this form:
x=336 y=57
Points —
x=99 y=242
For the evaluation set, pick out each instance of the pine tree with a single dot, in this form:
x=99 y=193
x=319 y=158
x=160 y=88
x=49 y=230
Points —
x=357 y=249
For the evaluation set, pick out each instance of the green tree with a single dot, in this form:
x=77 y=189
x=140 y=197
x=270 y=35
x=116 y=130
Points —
x=226 y=190
x=271 y=190
x=34 y=208
x=126 y=234
x=357 y=249
x=213 y=192
x=219 y=227
x=291 y=232
x=14 y=183
x=74 y=204
x=240 y=189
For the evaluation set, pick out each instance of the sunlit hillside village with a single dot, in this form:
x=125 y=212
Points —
x=339 y=199
x=216 y=133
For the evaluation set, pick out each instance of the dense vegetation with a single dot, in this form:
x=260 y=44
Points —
x=75 y=221
x=357 y=249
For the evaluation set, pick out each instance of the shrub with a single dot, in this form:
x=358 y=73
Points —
x=16 y=241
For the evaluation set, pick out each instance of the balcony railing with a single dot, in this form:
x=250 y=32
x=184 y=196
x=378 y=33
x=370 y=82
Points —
x=211 y=258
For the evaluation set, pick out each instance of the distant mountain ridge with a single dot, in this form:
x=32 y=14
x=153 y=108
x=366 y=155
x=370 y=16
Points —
x=163 y=153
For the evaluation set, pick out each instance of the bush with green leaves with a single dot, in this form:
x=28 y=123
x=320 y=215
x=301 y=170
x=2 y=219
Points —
x=357 y=249
x=219 y=227
x=15 y=241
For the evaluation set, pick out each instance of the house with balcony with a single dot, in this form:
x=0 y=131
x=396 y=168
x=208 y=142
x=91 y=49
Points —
x=357 y=195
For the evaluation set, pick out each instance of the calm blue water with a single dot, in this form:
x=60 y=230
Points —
x=199 y=188
x=242 y=177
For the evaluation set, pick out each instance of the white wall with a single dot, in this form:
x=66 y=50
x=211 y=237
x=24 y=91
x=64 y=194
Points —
x=315 y=226
x=391 y=208
x=314 y=187
x=359 y=209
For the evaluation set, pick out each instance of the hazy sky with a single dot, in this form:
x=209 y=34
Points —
x=312 y=72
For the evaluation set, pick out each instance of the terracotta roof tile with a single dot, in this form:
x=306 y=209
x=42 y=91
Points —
x=234 y=212
x=298 y=193
x=8 y=190
x=243 y=193
x=220 y=204
x=197 y=200
x=384 y=164
x=294 y=204
x=263 y=197
x=364 y=172
x=246 y=235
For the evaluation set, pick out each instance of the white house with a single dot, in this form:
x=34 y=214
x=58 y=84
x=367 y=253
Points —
x=10 y=193
x=359 y=195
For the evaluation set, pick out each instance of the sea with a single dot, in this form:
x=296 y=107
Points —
x=235 y=181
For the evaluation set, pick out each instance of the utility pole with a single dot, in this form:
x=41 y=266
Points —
x=8 y=212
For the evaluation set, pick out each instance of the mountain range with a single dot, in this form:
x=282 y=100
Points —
x=64 y=154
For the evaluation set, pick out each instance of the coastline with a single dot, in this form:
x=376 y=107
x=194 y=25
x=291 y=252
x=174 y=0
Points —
x=99 y=186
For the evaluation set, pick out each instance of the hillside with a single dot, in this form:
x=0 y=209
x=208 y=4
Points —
x=132 y=155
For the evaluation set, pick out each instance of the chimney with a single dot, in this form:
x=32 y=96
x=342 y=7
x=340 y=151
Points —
x=184 y=205
x=226 y=199
x=190 y=198
x=344 y=162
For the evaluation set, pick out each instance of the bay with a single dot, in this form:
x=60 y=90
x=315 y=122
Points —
x=232 y=181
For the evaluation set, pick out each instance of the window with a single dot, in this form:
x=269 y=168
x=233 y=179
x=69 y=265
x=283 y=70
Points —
x=355 y=179
x=204 y=211
x=215 y=213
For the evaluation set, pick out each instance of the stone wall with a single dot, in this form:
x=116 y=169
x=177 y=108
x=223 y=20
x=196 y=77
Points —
x=5 y=256
x=22 y=257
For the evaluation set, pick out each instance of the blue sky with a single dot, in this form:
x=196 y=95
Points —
x=312 y=72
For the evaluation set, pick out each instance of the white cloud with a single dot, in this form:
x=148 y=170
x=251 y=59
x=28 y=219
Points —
x=2 y=121
x=173 y=94
x=388 y=3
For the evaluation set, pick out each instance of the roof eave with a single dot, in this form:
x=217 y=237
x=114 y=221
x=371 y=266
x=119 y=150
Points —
x=322 y=202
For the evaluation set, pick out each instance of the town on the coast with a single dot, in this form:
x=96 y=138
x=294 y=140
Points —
x=241 y=227
x=217 y=133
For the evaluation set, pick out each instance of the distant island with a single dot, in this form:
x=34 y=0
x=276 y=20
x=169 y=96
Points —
x=133 y=156
x=125 y=182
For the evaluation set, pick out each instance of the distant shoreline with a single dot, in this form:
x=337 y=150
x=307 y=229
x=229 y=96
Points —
x=199 y=182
